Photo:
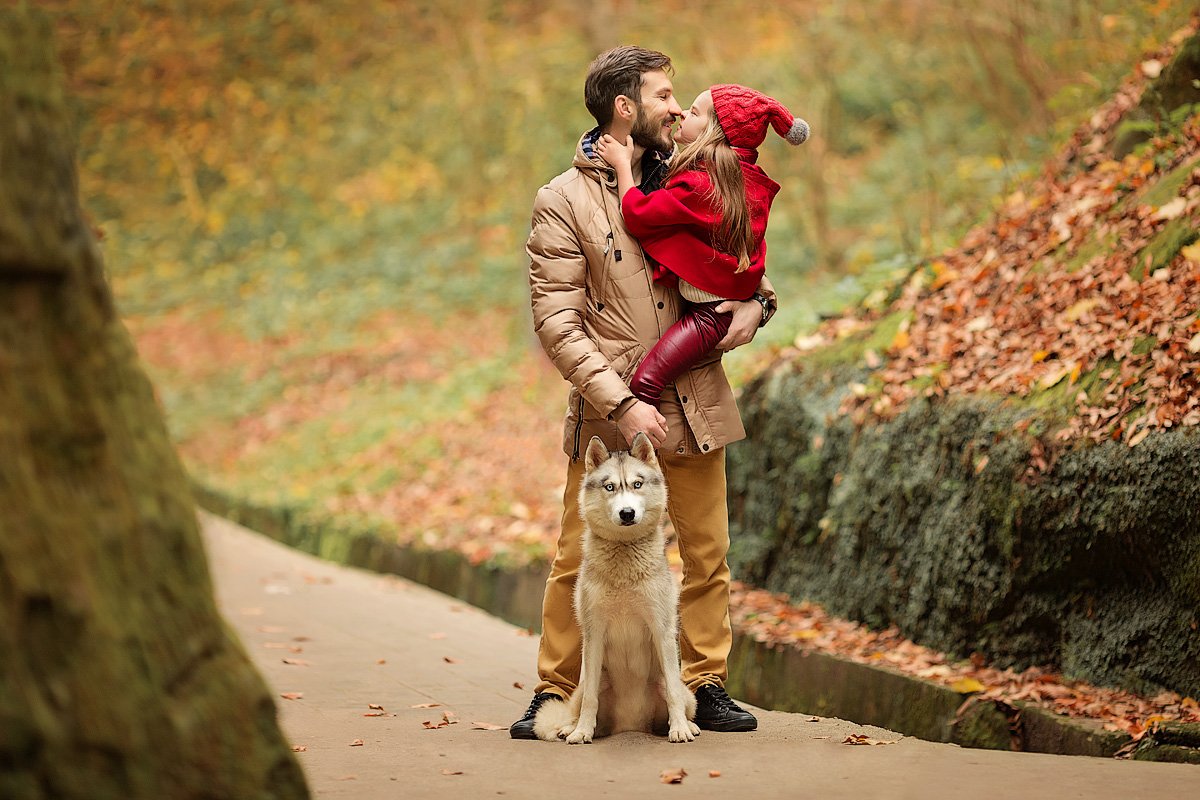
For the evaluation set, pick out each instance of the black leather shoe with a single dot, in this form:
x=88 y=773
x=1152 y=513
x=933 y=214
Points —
x=523 y=728
x=716 y=711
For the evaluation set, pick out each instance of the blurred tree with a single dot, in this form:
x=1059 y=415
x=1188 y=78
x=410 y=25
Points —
x=118 y=678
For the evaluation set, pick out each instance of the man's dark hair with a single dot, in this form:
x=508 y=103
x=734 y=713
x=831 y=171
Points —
x=619 y=72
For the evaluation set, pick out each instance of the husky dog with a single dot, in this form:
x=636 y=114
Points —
x=626 y=601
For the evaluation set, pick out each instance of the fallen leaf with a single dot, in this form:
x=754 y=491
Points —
x=381 y=661
x=714 y=773
x=430 y=725
x=299 y=748
x=375 y=706
x=292 y=695
x=452 y=772
x=487 y=726
x=673 y=775
x=375 y=714
x=357 y=743
x=862 y=738
x=1171 y=210
x=426 y=705
x=967 y=686
x=518 y=685
x=296 y=662
x=449 y=660
x=449 y=717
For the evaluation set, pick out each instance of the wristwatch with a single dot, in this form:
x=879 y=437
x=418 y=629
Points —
x=763 y=302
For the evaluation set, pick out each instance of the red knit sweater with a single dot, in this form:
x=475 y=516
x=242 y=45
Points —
x=676 y=226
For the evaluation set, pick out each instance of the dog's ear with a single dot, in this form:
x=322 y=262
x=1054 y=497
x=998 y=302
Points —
x=642 y=449
x=596 y=454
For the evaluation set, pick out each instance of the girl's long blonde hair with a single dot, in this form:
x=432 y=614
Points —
x=712 y=152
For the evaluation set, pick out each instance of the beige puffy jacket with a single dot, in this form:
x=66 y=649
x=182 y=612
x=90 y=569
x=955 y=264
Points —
x=597 y=311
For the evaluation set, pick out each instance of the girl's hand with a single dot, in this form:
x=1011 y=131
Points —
x=613 y=152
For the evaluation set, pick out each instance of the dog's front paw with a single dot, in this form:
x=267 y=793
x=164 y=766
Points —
x=565 y=731
x=579 y=736
x=687 y=733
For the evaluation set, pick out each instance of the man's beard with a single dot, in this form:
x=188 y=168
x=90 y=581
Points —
x=650 y=133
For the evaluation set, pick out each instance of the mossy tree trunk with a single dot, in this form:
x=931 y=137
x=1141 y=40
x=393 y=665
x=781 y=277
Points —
x=118 y=678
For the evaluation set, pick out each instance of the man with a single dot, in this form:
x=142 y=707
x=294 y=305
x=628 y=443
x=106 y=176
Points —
x=597 y=310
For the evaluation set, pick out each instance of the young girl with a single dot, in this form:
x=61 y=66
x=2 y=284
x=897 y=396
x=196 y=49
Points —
x=705 y=227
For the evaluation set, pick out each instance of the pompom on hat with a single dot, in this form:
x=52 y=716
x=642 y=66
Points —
x=744 y=114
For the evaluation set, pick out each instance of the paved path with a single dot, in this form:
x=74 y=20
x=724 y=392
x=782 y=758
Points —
x=367 y=639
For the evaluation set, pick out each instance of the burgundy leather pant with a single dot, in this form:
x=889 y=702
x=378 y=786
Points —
x=685 y=343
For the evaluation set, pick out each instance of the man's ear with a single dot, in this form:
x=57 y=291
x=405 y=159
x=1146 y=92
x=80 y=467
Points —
x=596 y=454
x=625 y=108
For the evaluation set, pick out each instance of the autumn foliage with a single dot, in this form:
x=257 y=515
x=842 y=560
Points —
x=1086 y=282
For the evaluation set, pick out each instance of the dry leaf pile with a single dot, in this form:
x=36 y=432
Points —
x=770 y=619
x=1070 y=280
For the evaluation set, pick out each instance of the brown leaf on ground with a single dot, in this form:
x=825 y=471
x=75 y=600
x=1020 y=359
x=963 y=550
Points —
x=375 y=706
x=518 y=685
x=673 y=775
x=375 y=714
x=452 y=772
x=714 y=773
x=487 y=726
x=381 y=661
x=430 y=725
x=299 y=748
x=449 y=717
x=357 y=743
x=426 y=705
x=862 y=738
x=449 y=660
x=296 y=662
x=291 y=695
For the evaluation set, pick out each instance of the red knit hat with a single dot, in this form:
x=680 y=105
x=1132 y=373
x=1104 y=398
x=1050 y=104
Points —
x=744 y=114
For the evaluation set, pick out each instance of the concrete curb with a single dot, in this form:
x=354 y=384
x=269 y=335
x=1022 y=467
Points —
x=781 y=679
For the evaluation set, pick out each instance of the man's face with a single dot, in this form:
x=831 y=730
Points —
x=656 y=112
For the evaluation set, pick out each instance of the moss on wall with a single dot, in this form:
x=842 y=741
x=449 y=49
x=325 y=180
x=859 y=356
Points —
x=1093 y=567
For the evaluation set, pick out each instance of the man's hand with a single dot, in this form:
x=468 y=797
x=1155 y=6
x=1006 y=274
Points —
x=617 y=154
x=746 y=316
x=643 y=417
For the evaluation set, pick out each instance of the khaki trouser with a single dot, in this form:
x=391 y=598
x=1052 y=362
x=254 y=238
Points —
x=696 y=505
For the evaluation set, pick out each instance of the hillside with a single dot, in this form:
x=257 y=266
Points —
x=997 y=454
x=313 y=222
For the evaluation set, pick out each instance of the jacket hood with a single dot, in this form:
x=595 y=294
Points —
x=596 y=168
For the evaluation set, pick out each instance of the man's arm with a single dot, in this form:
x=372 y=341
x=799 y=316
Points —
x=557 y=281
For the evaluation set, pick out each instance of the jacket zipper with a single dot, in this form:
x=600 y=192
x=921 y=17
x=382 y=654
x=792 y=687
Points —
x=578 y=431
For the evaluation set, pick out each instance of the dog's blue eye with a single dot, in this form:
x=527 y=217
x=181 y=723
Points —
x=637 y=484
x=608 y=487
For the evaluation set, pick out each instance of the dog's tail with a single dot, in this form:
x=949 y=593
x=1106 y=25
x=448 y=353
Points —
x=550 y=718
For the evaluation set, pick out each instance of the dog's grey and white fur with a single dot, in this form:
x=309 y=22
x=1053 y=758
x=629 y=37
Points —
x=627 y=602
